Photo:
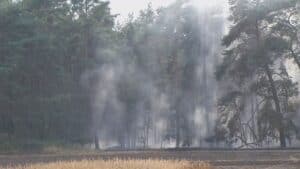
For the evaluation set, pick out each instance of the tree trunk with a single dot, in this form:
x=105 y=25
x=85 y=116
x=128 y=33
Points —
x=295 y=58
x=177 y=129
x=206 y=96
x=277 y=106
x=272 y=84
x=97 y=146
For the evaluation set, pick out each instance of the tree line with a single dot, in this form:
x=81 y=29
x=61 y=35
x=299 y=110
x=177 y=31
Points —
x=70 y=73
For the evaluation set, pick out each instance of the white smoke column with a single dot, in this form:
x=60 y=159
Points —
x=212 y=13
x=109 y=109
x=105 y=94
x=207 y=5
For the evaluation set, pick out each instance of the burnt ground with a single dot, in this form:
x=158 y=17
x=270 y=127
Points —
x=221 y=159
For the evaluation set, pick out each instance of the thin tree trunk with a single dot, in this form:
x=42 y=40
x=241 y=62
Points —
x=177 y=129
x=277 y=106
x=272 y=84
x=205 y=90
x=97 y=146
x=174 y=68
x=295 y=58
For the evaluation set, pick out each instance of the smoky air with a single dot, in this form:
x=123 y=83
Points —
x=189 y=74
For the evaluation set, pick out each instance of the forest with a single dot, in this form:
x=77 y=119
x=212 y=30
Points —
x=173 y=77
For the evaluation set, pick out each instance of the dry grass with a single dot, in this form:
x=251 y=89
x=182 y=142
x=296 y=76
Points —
x=118 y=164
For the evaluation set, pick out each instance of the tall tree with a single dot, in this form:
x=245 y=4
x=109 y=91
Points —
x=44 y=55
x=252 y=56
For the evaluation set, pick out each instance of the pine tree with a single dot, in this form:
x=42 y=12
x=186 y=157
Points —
x=252 y=54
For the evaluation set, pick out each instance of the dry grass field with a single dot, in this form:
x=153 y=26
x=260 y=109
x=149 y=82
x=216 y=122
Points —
x=159 y=159
x=117 y=164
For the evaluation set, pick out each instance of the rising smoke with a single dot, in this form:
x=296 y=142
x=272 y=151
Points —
x=166 y=93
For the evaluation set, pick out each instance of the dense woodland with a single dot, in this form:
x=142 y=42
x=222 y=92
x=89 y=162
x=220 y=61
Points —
x=173 y=76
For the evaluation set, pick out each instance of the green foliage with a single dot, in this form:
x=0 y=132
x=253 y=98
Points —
x=254 y=63
x=49 y=51
x=45 y=50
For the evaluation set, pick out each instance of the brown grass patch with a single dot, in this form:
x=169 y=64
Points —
x=118 y=164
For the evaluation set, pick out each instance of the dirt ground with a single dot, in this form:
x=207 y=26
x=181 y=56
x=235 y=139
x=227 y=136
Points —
x=261 y=167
